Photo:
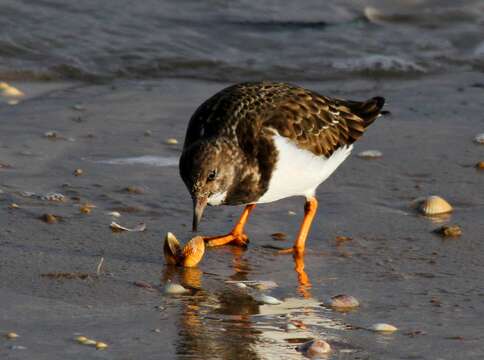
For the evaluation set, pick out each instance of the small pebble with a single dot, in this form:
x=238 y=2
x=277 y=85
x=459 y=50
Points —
x=266 y=299
x=479 y=138
x=78 y=172
x=11 y=335
x=171 y=141
x=370 y=154
x=344 y=302
x=174 y=289
x=101 y=346
x=314 y=349
x=382 y=327
x=449 y=231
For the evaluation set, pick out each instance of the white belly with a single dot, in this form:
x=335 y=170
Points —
x=298 y=172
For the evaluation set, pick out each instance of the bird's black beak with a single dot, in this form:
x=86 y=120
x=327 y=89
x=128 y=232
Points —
x=199 y=204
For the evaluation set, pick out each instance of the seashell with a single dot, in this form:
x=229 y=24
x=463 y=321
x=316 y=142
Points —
x=188 y=256
x=480 y=165
x=174 y=289
x=382 y=327
x=292 y=213
x=344 y=302
x=78 y=107
x=290 y=327
x=115 y=227
x=14 y=206
x=78 y=172
x=87 y=208
x=54 y=197
x=479 y=138
x=449 y=231
x=101 y=346
x=148 y=133
x=171 y=141
x=10 y=91
x=81 y=339
x=370 y=154
x=113 y=214
x=314 y=349
x=11 y=335
x=50 y=218
x=266 y=299
x=434 y=205
x=241 y=285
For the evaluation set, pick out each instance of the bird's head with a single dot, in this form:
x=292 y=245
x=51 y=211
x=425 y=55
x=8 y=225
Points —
x=208 y=171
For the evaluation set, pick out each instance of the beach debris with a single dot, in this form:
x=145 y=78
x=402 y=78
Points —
x=240 y=285
x=143 y=284
x=290 y=327
x=14 y=206
x=78 y=107
x=344 y=302
x=479 y=138
x=341 y=239
x=148 y=133
x=134 y=190
x=10 y=91
x=370 y=154
x=279 y=236
x=432 y=205
x=50 y=218
x=156 y=330
x=384 y=328
x=480 y=165
x=449 y=231
x=58 y=197
x=101 y=345
x=171 y=141
x=256 y=284
x=291 y=213
x=66 y=275
x=266 y=299
x=115 y=227
x=174 y=289
x=115 y=214
x=314 y=349
x=86 y=208
x=78 y=172
x=188 y=256
x=99 y=266
x=54 y=135
x=11 y=335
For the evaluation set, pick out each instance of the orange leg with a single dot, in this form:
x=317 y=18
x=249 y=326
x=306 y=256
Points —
x=309 y=211
x=302 y=277
x=236 y=236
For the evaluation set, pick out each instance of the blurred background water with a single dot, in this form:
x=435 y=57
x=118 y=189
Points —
x=238 y=40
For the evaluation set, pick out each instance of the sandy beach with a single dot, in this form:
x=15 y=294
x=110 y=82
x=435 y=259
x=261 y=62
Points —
x=401 y=272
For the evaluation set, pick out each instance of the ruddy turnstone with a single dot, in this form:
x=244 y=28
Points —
x=259 y=142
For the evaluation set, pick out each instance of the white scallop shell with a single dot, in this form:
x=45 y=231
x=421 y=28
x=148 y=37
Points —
x=382 y=327
x=435 y=205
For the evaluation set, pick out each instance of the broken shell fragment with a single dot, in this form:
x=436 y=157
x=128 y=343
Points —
x=266 y=299
x=101 y=346
x=171 y=141
x=174 y=289
x=115 y=227
x=11 y=335
x=370 y=154
x=344 y=302
x=314 y=349
x=10 y=91
x=449 y=231
x=78 y=172
x=434 y=205
x=114 y=214
x=54 y=197
x=382 y=327
x=479 y=138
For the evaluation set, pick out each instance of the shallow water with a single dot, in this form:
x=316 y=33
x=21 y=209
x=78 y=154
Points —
x=228 y=40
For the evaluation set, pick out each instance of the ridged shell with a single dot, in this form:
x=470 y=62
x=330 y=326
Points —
x=171 y=249
x=314 y=349
x=193 y=252
x=382 y=327
x=435 y=205
x=344 y=302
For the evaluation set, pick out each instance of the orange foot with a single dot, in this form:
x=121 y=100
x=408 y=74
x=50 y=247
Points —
x=233 y=238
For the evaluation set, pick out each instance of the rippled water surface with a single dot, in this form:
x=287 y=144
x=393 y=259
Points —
x=234 y=40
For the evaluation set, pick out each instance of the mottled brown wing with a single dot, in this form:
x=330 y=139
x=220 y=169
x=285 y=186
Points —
x=321 y=124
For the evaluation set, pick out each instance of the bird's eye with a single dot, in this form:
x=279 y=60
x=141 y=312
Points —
x=212 y=175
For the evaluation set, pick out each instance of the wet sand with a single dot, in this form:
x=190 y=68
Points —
x=402 y=273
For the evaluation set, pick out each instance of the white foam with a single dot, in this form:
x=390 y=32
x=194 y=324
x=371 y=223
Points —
x=149 y=160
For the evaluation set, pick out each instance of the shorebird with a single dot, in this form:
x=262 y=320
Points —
x=260 y=142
